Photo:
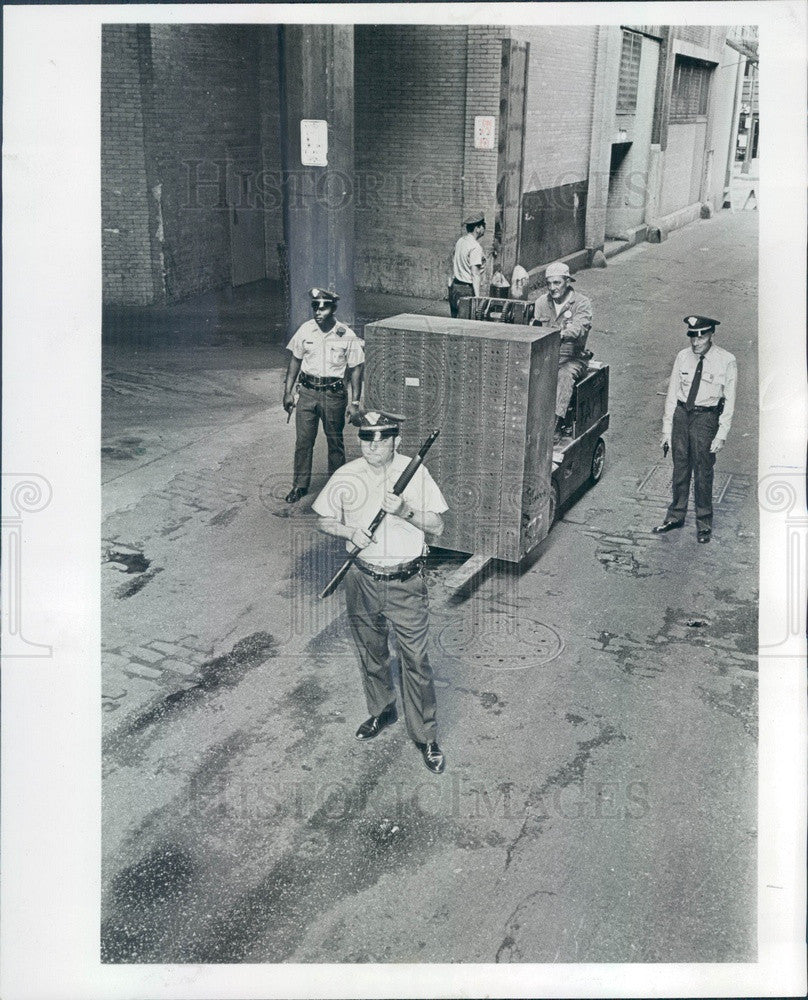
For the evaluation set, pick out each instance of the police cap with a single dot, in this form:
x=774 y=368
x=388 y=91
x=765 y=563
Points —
x=475 y=219
x=323 y=295
x=375 y=425
x=700 y=324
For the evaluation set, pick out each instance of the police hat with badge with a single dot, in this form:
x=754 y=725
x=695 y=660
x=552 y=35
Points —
x=375 y=425
x=321 y=296
x=697 y=325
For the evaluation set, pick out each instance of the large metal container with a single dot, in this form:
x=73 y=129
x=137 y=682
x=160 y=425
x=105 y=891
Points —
x=490 y=388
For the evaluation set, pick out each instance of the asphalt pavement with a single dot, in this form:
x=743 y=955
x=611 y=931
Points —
x=597 y=707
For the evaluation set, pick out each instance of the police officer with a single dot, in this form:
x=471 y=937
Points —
x=468 y=263
x=386 y=585
x=324 y=356
x=566 y=310
x=697 y=419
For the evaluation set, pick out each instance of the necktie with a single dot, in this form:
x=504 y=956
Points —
x=694 y=386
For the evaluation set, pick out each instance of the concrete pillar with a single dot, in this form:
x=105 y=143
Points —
x=607 y=72
x=483 y=81
x=316 y=83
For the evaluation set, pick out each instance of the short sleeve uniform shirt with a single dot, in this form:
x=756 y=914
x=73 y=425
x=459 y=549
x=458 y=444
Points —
x=326 y=355
x=467 y=252
x=354 y=496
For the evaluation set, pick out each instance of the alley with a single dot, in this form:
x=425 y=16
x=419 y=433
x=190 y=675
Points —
x=598 y=707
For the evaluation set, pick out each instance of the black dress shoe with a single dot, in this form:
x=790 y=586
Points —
x=660 y=529
x=433 y=757
x=704 y=537
x=376 y=723
x=294 y=495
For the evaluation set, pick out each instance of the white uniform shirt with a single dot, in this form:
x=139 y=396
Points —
x=326 y=355
x=467 y=252
x=719 y=375
x=354 y=496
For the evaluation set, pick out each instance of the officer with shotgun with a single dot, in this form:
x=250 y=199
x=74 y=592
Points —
x=383 y=504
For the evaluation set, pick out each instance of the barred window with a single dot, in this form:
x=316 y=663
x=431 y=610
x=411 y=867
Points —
x=691 y=89
x=629 y=71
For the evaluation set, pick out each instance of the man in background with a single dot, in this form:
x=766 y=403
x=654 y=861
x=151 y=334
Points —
x=566 y=310
x=468 y=262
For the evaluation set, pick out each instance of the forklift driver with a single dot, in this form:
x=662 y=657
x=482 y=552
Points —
x=566 y=310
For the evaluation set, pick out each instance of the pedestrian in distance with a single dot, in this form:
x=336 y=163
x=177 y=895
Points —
x=327 y=358
x=698 y=415
x=385 y=587
x=468 y=262
x=562 y=308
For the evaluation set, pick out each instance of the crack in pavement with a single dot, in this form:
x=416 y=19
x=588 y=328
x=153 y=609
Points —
x=509 y=951
x=568 y=773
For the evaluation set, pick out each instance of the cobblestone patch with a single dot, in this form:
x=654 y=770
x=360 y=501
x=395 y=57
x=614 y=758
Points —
x=161 y=662
x=626 y=553
x=210 y=494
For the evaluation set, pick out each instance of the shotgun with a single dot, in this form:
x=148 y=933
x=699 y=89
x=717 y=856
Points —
x=398 y=489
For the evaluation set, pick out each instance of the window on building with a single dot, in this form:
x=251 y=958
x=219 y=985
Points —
x=691 y=89
x=629 y=71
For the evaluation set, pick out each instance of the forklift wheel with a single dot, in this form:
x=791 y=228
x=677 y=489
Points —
x=598 y=459
x=553 y=503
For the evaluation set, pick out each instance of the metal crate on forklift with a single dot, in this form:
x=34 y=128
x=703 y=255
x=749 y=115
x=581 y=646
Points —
x=490 y=388
x=578 y=458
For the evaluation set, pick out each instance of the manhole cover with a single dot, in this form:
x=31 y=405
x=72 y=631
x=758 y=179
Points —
x=499 y=641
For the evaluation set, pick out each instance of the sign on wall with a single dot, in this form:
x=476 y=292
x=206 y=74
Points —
x=485 y=132
x=313 y=143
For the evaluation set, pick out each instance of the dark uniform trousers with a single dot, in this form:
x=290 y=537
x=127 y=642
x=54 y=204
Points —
x=314 y=406
x=458 y=290
x=371 y=604
x=691 y=437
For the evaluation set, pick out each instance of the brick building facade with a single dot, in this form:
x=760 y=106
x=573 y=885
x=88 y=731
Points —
x=598 y=133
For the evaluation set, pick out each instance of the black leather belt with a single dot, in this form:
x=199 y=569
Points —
x=403 y=571
x=701 y=409
x=312 y=382
x=457 y=281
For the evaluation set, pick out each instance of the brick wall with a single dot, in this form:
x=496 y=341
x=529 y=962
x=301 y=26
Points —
x=561 y=87
x=410 y=124
x=204 y=96
x=126 y=253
